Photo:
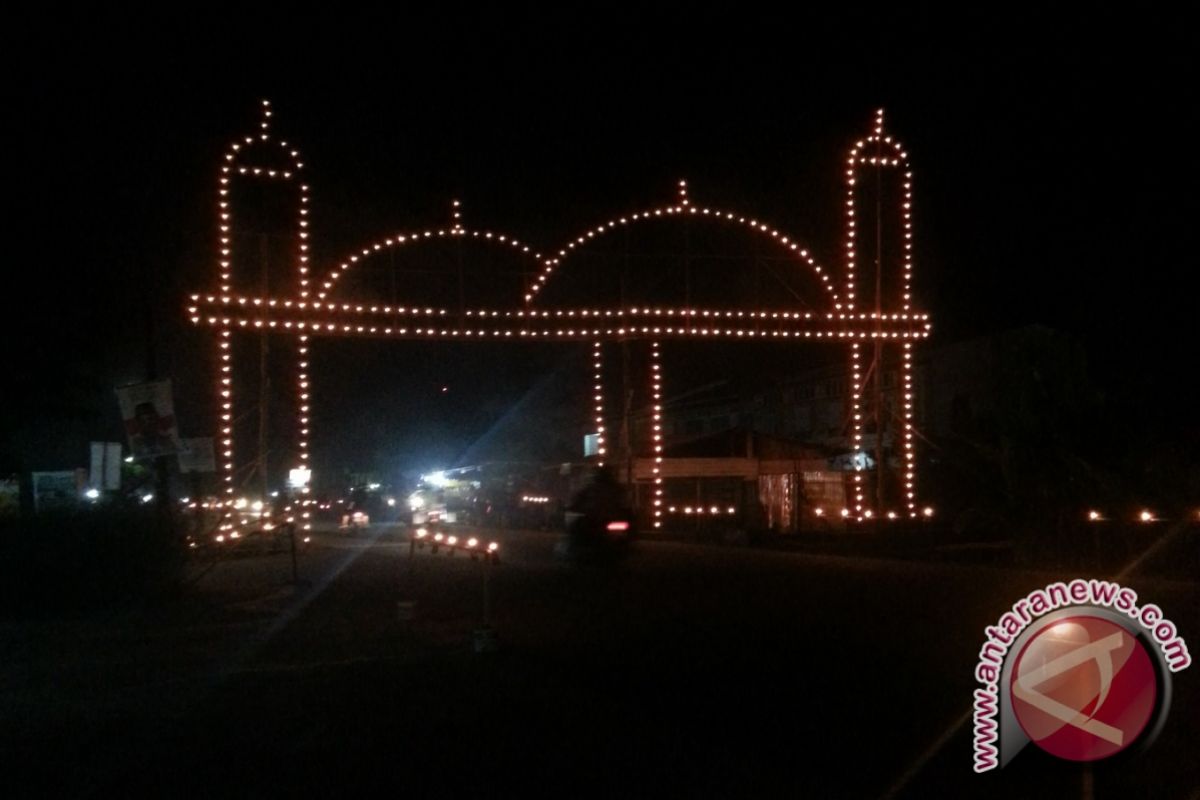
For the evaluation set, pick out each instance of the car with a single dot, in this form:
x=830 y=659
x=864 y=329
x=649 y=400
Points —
x=354 y=520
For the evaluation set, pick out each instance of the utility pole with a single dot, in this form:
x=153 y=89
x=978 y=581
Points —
x=263 y=379
x=627 y=424
x=626 y=392
x=162 y=483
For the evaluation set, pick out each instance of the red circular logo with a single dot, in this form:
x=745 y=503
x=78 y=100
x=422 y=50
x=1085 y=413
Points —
x=1083 y=688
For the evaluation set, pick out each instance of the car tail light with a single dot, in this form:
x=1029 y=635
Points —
x=618 y=527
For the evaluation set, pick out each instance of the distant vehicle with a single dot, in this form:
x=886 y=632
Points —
x=598 y=524
x=590 y=538
x=354 y=520
x=428 y=506
x=442 y=499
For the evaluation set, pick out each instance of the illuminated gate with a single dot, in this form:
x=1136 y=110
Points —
x=862 y=318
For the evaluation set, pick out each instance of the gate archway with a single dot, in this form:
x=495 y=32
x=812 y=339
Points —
x=856 y=315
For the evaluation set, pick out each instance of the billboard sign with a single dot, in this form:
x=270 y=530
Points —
x=55 y=490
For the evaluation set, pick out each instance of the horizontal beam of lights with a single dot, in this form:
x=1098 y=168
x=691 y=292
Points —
x=533 y=331
x=297 y=306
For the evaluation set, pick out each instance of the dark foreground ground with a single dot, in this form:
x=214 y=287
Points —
x=686 y=670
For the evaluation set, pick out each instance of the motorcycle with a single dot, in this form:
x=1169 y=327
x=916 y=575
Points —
x=596 y=537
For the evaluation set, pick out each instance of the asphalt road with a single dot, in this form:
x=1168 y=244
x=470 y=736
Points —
x=685 y=670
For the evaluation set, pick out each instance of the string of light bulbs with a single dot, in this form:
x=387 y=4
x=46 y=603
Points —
x=598 y=395
x=656 y=437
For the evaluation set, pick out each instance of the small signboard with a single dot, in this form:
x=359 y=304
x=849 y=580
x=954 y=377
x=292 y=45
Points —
x=851 y=462
x=591 y=445
x=825 y=489
x=149 y=419
x=197 y=455
x=10 y=497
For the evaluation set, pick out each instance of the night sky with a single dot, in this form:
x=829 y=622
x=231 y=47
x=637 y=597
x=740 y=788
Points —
x=1055 y=178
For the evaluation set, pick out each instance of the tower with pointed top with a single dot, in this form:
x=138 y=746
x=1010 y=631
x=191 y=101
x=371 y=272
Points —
x=260 y=180
x=879 y=267
x=264 y=216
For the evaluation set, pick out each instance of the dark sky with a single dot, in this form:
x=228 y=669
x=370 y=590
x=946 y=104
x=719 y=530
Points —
x=1054 y=157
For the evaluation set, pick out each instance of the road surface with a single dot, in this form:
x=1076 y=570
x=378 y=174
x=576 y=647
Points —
x=687 y=669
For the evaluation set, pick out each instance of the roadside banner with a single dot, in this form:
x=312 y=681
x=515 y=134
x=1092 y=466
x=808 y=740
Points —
x=105 y=472
x=149 y=419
